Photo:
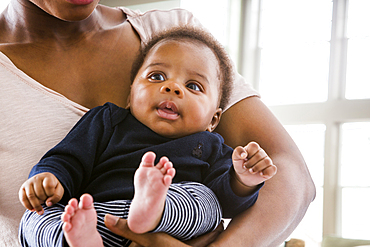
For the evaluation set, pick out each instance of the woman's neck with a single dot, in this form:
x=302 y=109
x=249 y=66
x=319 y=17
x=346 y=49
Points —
x=28 y=24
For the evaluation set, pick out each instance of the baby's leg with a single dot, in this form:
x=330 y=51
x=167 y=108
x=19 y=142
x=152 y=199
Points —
x=151 y=186
x=191 y=210
x=80 y=222
x=47 y=230
x=42 y=230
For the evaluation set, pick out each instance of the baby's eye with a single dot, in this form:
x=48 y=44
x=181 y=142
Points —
x=194 y=87
x=157 y=77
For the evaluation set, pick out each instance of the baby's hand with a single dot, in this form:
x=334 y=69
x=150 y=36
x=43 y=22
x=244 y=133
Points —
x=41 y=188
x=252 y=165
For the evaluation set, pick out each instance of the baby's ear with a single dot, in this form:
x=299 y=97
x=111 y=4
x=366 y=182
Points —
x=128 y=103
x=215 y=120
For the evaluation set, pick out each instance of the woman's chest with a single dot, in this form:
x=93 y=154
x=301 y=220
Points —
x=89 y=72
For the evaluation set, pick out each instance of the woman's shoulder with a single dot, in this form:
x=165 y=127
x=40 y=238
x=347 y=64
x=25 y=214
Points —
x=153 y=21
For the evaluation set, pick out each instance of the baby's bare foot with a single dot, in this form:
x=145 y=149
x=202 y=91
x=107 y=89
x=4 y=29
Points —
x=151 y=186
x=79 y=223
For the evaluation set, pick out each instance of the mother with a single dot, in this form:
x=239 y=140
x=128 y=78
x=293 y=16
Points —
x=60 y=58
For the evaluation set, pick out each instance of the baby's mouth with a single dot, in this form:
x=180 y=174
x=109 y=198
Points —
x=168 y=110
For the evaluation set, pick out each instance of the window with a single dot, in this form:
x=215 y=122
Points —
x=3 y=4
x=358 y=54
x=221 y=18
x=294 y=51
x=310 y=139
x=354 y=179
x=309 y=63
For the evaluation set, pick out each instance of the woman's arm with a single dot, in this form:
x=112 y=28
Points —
x=285 y=198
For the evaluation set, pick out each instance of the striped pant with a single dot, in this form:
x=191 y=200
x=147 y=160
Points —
x=191 y=209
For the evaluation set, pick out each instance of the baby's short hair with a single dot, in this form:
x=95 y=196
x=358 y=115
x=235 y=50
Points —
x=204 y=37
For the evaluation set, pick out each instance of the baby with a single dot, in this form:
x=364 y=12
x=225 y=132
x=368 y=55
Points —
x=181 y=83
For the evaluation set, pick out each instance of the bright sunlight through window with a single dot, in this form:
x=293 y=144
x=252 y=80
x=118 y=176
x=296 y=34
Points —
x=358 y=54
x=3 y=4
x=295 y=51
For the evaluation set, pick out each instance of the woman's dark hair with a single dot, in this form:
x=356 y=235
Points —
x=197 y=34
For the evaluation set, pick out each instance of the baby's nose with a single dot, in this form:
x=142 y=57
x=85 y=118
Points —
x=172 y=88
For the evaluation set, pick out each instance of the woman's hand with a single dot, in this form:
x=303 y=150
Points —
x=119 y=227
x=206 y=239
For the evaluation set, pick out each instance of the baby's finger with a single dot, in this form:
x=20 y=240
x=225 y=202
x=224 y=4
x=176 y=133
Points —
x=24 y=199
x=261 y=165
x=269 y=172
x=255 y=158
x=252 y=149
x=34 y=200
x=239 y=153
x=56 y=196
x=39 y=189
x=49 y=184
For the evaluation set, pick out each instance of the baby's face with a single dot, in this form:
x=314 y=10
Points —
x=176 y=91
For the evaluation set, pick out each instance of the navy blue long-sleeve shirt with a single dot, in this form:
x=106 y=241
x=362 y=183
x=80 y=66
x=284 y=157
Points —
x=101 y=153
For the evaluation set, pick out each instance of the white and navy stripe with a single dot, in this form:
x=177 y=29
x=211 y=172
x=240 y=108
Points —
x=191 y=209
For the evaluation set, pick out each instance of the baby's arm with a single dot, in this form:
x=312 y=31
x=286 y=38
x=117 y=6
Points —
x=252 y=166
x=41 y=188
